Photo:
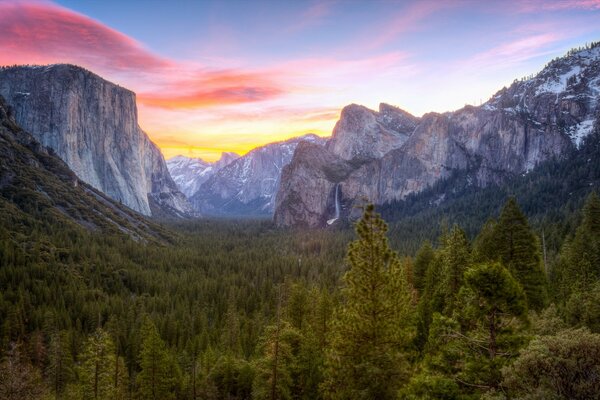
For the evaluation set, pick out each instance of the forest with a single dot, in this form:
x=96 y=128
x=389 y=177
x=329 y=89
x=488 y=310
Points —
x=493 y=293
x=241 y=310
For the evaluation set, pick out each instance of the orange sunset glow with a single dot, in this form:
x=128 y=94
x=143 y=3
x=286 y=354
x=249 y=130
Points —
x=206 y=84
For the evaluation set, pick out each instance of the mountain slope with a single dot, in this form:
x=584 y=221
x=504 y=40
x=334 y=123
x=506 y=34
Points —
x=247 y=186
x=532 y=121
x=190 y=173
x=92 y=125
x=39 y=191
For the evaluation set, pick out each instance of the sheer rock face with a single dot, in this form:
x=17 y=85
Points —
x=92 y=125
x=248 y=185
x=520 y=126
x=363 y=134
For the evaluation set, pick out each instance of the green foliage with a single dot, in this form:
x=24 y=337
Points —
x=101 y=373
x=159 y=374
x=199 y=303
x=423 y=260
x=455 y=257
x=579 y=266
x=372 y=325
x=274 y=369
x=561 y=366
x=517 y=247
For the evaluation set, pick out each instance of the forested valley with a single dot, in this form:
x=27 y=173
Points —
x=494 y=294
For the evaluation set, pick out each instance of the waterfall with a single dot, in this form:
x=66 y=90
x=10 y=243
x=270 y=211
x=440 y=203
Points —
x=337 y=205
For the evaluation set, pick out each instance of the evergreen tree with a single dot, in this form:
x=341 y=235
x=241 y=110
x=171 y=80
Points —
x=455 y=258
x=275 y=367
x=423 y=259
x=60 y=370
x=517 y=247
x=493 y=298
x=373 y=324
x=579 y=267
x=157 y=379
x=484 y=245
x=100 y=372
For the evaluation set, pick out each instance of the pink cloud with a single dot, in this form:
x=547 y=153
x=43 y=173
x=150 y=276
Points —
x=46 y=33
x=42 y=33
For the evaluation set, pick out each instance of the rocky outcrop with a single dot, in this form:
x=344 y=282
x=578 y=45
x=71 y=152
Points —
x=248 y=185
x=92 y=125
x=520 y=126
x=306 y=195
x=38 y=190
x=363 y=134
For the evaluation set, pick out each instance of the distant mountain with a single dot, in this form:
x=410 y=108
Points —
x=247 y=186
x=39 y=192
x=190 y=173
x=92 y=125
x=369 y=157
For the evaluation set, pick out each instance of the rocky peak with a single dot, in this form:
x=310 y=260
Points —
x=362 y=133
x=190 y=173
x=391 y=154
x=92 y=125
x=226 y=158
x=567 y=90
x=247 y=186
x=397 y=119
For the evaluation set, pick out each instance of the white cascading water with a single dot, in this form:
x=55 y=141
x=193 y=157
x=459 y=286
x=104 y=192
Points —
x=337 y=205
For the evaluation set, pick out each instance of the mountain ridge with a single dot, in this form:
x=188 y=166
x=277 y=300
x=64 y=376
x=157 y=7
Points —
x=517 y=128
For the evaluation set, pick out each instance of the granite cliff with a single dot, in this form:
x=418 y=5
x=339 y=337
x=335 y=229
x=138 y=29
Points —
x=379 y=161
x=92 y=125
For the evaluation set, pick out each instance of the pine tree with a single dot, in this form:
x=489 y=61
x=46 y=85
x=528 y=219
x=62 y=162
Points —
x=101 y=373
x=373 y=324
x=455 y=257
x=493 y=297
x=579 y=265
x=273 y=378
x=156 y=380
x=60 y=370
x=517 y=247
x=423 y=259
x=484 y=246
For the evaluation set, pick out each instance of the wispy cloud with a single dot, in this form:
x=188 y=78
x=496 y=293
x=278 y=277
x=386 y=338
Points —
x=514 y=52
x=528 y=6
x=40 y=32
x=314 y=15
x=407 y=19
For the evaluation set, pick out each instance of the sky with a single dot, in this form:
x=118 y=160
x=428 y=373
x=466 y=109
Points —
x=228 y=75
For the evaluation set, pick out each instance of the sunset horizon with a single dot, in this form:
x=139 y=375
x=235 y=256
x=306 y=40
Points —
x=216 y=80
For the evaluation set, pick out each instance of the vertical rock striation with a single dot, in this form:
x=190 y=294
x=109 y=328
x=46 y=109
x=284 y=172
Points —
x=92 y=125
x=389 y=154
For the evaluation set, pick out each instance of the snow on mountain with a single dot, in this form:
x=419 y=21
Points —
x=385 y=156
x=568 y=88
x=247 y=186
x=190 y=173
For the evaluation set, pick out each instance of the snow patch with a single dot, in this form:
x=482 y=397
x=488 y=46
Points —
x=578 y=132
x=558 y=84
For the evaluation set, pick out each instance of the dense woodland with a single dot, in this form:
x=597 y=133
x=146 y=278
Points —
x=494 y=307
